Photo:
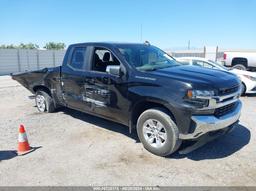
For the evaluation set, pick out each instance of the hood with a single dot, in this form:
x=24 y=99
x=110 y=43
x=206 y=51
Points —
x=199 y=76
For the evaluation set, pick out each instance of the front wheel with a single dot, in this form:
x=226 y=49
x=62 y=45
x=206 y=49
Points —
x=44 y=102
x=158 y=132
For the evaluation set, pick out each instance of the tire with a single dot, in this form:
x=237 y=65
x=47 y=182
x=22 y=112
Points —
x=44 y=102
x=239 y=67
x=167 y=129
x=243 y=89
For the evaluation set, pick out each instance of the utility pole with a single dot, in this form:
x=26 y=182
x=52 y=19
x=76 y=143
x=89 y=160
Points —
x=189 y=45
x=141 y=35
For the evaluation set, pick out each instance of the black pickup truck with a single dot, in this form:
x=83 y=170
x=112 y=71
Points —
x=140 y=86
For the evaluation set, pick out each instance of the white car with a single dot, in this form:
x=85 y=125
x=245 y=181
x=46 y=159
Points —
x=248 y=78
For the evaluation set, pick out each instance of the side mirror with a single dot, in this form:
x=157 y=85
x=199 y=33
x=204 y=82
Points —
x=114 y=70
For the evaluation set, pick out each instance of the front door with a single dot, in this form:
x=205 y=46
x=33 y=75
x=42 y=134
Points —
x=107 y=93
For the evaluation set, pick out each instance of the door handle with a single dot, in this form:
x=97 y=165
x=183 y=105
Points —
x=57 y=79
x=80 y=83
x=90 y=81
x=105 y=79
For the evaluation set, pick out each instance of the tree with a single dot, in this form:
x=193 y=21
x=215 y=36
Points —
x=21 y=46
x=28 y=46
x=10 y=46
x=55 y=46
x=48 y=46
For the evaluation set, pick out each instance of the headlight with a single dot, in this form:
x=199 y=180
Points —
x=250 y=77
x=199 y=98
x=201 y=94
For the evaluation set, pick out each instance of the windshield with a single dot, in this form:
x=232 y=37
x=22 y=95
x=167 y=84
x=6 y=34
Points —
x=146 y=57
x=218 y=65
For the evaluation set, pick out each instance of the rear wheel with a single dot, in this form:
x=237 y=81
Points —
x=44 y=102
x=239 y=67
x=158 y=132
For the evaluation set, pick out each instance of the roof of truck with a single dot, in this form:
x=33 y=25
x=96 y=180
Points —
x=107 y=43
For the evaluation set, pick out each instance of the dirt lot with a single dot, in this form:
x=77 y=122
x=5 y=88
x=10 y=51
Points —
x=79 y=149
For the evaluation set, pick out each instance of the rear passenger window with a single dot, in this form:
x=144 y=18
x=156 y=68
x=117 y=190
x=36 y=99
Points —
x=78 y=58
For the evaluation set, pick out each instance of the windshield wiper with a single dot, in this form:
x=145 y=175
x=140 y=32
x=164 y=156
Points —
x=149 y=69
x=156 y=67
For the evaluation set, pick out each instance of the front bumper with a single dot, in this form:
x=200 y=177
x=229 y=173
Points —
x=210 y=123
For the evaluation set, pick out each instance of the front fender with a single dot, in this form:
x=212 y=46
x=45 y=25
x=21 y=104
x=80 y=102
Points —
x=160 y=97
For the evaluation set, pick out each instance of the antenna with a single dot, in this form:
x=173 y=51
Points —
x=147 y=43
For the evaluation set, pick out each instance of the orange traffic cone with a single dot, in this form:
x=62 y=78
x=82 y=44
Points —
x=23 y=145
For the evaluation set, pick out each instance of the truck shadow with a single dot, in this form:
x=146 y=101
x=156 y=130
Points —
x=102 y=123
x=221 y=147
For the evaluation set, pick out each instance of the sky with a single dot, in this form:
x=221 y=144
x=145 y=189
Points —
x=164 y=23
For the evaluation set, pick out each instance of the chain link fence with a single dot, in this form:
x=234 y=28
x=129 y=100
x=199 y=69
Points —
x=21 y=60
x=212 y=53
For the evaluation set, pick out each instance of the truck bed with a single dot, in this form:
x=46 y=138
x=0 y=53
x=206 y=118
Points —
x=34 y=78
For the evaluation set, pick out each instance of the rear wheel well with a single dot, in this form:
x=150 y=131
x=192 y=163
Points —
x=42 y=88
x=242 y=61
x=143 y=106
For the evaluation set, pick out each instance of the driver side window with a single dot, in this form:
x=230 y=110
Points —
x=102 y=58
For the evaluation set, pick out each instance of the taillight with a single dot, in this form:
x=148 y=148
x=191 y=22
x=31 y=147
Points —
x=225 y=56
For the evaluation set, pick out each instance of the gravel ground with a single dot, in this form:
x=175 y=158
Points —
x=78 y=149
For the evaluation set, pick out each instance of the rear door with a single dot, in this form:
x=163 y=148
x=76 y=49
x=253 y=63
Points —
x=73 y=79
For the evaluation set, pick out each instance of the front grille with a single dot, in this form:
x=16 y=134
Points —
x=224 y=110
x=226 y=91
